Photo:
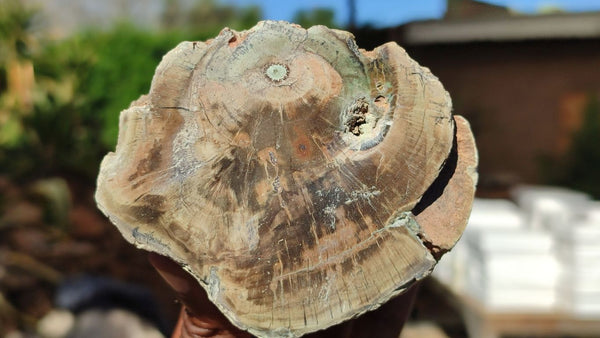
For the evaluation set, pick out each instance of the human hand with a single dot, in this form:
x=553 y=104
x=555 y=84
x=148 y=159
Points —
x=199 y=317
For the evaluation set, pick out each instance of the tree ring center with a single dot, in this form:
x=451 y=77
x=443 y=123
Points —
x=277 y=72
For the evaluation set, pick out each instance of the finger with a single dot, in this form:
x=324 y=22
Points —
x=200 y=318
x=191 y=294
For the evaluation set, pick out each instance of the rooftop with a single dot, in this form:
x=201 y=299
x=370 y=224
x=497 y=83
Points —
x=506 y=28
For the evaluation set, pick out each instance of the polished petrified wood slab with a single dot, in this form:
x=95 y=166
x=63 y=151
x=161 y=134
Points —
x=302 y=181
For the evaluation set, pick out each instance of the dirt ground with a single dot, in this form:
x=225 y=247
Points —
x=51 y=230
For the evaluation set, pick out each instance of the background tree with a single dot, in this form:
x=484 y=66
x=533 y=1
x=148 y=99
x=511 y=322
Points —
x=68 y=117
x=16 y=70
x=315 y=16
x=583 y=160
x=578 y=167
x=209 y=16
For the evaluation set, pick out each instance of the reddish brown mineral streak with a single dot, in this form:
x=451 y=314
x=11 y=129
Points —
x=453 y=207
x=280 y=166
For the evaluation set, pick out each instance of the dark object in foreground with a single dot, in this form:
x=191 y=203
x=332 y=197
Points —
x=280 y=166
x=85 y=293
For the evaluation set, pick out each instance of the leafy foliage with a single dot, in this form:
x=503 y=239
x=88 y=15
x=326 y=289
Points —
x=83 y=83
x=122 y=66
x=209 y=16
x=316 y=16
x=81 y=86
x=579 y=167
x=583 y=162
x=15 y=23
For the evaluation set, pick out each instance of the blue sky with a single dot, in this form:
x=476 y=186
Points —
x=382 y=13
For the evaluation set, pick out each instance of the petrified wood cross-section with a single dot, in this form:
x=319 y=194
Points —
x=282 y=167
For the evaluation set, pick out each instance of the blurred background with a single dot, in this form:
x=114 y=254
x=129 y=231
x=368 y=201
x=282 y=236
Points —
x=525 y=73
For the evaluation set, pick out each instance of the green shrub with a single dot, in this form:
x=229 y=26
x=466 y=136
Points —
x=82 y=84
x=579 y=167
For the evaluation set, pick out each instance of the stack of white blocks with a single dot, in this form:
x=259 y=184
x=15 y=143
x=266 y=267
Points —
x=559 y=212
x=578 y=249
x=541 y=254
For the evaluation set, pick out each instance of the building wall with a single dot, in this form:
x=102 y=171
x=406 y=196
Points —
x=515 y=94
